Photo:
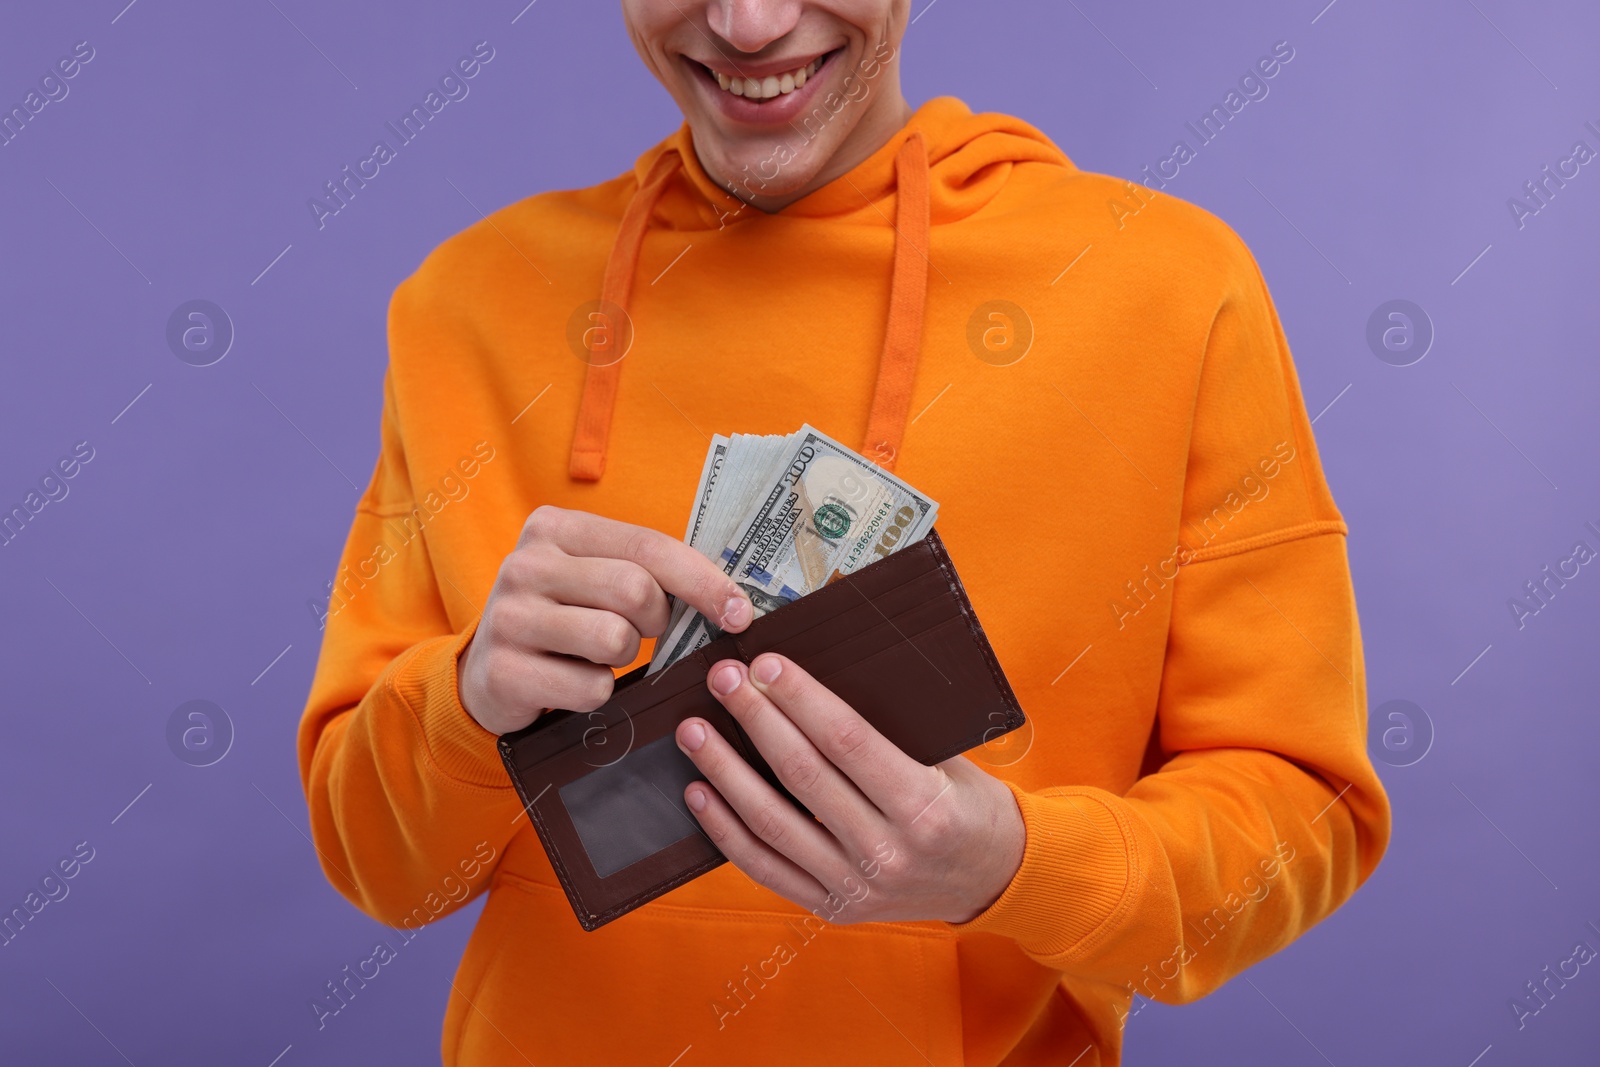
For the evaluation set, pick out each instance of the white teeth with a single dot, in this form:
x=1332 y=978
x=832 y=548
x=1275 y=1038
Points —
x=772 y=85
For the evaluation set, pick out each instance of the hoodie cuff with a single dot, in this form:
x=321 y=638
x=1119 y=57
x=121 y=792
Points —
x=456 y=745
x=1075 y=875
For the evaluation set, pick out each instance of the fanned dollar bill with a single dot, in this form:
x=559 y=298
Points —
x=786 y=516
x=709 y=476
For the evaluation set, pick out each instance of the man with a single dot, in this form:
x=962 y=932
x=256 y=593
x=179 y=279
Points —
x=1128 y=484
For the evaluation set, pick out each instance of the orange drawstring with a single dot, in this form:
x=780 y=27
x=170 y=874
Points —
x=902 y=338
x=588 y=459
x=908 y=299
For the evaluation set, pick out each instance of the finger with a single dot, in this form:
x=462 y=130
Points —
x=616 y=585
x=764 y=811
x=805 y=771
x=897 y=784
x=677 y=568
x=588 y=633
x=764 y=865
x=532 y=682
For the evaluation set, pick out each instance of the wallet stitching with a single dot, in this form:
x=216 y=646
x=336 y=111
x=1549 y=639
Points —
x=557 y=864
x=1008 y=696
x=982 y=639
x=660 y=889
x=557 y=859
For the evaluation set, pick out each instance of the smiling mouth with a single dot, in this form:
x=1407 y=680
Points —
x=759 y=90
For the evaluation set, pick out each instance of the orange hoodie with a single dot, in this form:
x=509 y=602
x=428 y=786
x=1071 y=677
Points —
x=1127 y=482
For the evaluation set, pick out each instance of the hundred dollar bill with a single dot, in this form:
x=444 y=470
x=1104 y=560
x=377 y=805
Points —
x=828 y=512
x=733 y=465
x=709 y=474
x=705 y=493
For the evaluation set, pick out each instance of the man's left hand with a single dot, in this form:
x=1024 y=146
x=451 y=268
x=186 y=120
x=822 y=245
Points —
x=893 y=840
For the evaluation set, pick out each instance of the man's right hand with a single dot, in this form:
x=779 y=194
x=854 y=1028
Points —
x=575 y=598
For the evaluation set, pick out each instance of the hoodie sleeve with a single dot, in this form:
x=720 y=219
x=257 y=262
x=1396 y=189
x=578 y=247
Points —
x=409 y=802
x=1265 y=813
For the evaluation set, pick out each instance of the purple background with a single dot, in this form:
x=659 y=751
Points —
x=182 y=562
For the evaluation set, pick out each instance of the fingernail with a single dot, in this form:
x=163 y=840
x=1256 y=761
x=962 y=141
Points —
x=765 y=671
x=726 y=680
x=735 y=613
x=697 y=800
x=694 y=735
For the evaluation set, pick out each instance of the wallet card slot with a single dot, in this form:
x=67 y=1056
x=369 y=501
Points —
x=852 y=614
x=880 y=632
x=900 y=574
x=841 y=657
x=932 y=673
x=556 y=732
x=919 y=645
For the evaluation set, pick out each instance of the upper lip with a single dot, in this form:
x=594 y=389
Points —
x=762 y=69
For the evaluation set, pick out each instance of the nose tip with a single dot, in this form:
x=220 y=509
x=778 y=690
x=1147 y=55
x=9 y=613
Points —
x=751 y=25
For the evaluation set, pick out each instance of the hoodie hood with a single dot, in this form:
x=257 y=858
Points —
x=944 y=165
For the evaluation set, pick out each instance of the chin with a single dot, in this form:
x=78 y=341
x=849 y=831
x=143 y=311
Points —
x=751 y=172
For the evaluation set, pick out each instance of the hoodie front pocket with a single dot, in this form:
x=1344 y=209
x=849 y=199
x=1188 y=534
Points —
x=709 y=985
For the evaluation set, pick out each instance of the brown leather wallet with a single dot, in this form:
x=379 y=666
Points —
x=897 y=640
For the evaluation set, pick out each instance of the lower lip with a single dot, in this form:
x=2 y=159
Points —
x=778 y=111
